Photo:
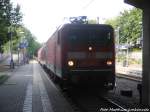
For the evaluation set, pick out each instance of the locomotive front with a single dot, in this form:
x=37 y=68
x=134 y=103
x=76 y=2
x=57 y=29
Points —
x=89 y=54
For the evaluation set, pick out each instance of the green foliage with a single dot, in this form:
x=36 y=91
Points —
x=134 y=61
x=5 y=8
x=10 y=21
x=10 y=18
x=16 y=16
x=33 y=45
x=24 y=35
x=131 y=61
x=121 y=57
x=3 y=78
x=129 y=24
x=136 y=49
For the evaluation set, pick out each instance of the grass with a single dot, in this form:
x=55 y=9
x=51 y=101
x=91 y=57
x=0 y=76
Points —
x=3 y=78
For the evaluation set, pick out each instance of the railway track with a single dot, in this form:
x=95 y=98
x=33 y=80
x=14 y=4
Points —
x=89 y=100
x=130 y=77
x=83 y=100
x=113 y=106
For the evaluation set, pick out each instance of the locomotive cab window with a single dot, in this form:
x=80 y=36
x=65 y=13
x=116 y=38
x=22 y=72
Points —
x=89 y=36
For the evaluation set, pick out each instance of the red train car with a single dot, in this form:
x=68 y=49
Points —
x=41 y=56
x=82 y=53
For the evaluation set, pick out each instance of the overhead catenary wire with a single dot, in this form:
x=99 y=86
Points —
x=88 y=4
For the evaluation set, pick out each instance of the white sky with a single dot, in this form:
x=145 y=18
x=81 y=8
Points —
x=42 y=17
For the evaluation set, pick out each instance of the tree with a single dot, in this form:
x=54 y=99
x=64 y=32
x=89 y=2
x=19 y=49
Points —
x=128 y=22
x=9 y=17
x=16 y=16
x=32 y=44
x=4 y=21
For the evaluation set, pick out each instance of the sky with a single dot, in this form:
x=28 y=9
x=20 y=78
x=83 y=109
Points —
x=42 y=17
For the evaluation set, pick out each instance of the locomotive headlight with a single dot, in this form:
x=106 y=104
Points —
x=109 y=63
x=90 y=48
x=70 y=63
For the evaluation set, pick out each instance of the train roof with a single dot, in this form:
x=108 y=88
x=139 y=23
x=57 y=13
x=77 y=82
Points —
x=85 y=25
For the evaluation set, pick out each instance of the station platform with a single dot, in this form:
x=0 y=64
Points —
x=28 y=89
x=130 y=71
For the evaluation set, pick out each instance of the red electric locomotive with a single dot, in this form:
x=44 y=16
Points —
x=82 y=54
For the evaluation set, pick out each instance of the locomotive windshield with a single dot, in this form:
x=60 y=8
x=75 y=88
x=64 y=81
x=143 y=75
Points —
x=94 y=36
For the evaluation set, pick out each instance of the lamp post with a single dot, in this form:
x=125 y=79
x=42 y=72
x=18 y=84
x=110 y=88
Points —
x=117 y=41
x=10 y=45
x=18 y=56
x=127 y=58
x=141 y=38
